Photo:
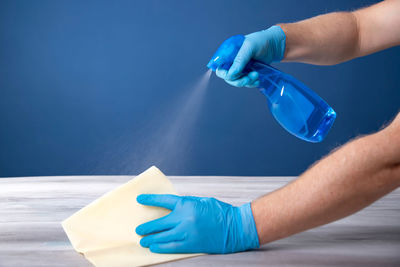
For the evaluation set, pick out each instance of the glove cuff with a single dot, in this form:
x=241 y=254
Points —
x=249 y=230
x=279 y=43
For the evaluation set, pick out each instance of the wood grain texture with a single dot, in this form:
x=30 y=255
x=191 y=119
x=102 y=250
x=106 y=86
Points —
x=31 y=210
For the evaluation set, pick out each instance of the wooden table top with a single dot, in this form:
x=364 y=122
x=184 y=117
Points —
x=31 y=210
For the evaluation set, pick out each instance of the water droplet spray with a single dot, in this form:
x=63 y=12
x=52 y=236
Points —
x=166 y=139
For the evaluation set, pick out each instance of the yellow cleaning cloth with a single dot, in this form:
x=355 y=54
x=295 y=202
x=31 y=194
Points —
x=104 y=230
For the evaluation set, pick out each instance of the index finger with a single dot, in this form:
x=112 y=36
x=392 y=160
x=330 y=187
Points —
x=242 y=58
x=167 y=201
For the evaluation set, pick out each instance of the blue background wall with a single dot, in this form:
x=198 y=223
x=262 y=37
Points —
x=79 y=80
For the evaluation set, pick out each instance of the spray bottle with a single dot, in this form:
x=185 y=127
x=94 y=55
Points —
x=297 y=108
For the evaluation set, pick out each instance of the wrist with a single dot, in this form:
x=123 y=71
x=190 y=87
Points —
x=297 y=47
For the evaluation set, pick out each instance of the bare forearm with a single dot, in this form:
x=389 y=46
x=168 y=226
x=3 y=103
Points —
x=346 y=181
x=323 y=40
x=337 y=37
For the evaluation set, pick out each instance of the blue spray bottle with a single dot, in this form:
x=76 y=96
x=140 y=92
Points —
x=296 y=108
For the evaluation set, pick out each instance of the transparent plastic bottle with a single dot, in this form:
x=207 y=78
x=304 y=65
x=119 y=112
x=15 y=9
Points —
x=297 y=109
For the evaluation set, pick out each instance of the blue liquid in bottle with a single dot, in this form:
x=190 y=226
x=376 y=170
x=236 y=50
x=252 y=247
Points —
x=297 y=109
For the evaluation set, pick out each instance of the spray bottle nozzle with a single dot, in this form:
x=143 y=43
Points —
x=226 y=53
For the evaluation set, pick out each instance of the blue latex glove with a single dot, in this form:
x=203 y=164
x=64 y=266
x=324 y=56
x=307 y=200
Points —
x=266 y=46
x=198 y=225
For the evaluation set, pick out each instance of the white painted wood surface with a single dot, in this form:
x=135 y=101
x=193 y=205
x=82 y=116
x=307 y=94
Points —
x=31 y=210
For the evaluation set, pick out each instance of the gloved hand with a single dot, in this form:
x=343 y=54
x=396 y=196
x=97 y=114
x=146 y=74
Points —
x=198 y=225
x=266 y=46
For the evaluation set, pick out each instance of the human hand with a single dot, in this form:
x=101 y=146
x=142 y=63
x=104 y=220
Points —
x=196 y=225
x=265 y=46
